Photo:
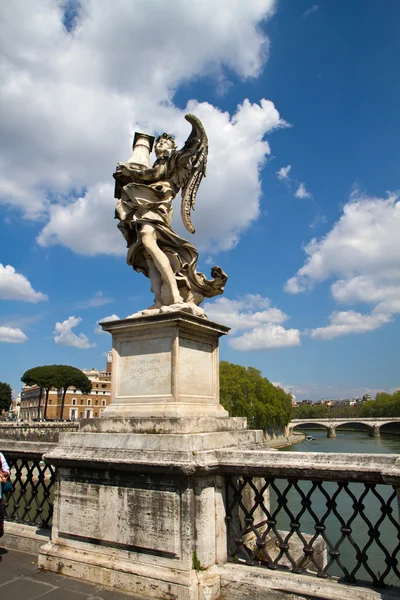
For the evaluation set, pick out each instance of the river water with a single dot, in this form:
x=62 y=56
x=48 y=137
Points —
x=351 y=442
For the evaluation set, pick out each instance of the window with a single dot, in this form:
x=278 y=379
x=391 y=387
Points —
x=103 y=402
x=103 y=385
x=82 y=401
x=96 y=401
x=80 y=415
x=73 y=401
x=89 y=402
x=103 y=392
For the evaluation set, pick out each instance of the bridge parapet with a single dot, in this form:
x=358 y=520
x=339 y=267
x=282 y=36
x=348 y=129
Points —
x=256 y=480
x=331 y=425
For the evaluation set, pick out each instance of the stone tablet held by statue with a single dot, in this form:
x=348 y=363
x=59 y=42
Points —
x=144 y=208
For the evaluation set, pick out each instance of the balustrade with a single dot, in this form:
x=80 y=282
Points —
x=326 y=515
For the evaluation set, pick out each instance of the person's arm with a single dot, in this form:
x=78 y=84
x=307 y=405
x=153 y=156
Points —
x=5 y=469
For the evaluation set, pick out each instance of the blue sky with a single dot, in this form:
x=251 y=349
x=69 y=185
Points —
x=300 y=206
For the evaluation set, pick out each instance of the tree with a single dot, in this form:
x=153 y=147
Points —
x=245 y=393
x=68 y=377
x=5 y=396
x=45 y=377
x=384 y=405
x=60 y=377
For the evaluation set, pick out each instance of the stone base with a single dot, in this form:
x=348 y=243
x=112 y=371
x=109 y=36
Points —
x=167 y=425
x=165 y=410
x=126 y=575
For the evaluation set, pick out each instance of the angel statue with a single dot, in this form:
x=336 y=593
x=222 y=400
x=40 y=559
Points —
x=144 y=209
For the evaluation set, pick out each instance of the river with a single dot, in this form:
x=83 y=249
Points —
x=351 y=442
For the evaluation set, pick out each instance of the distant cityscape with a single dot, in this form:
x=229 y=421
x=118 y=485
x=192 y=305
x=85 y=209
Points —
x=331 y=403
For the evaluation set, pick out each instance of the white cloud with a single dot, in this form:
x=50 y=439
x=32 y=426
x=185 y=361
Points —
x=364 y=242
x=266 y=337
x=301 y=192
x=283 y=173
x=255 y=313
x=310 y=10
x=243 y=313
x=345 y=322
x=77 y=99
x=14 y=286
x=362 y=253
x=104 y=320
x=64 y=335
x=12 y=335
x=98 y=299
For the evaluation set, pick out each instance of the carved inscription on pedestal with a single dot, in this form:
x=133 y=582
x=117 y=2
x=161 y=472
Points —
x=144 y=367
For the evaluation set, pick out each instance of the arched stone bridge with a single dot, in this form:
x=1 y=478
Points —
x=372 y=423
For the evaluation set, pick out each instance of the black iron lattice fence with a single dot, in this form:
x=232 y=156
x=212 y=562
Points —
x=31 y=501
x=339 y=528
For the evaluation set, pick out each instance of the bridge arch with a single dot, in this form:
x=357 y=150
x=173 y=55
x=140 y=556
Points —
x=330 y=429
x=369 y=427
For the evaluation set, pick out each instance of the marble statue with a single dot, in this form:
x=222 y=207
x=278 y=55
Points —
x=144 y=209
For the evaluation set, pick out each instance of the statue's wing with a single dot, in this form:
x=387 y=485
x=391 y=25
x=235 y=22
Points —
x=190 y=168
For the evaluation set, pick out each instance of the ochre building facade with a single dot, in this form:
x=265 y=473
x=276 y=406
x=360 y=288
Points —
x=76 y=405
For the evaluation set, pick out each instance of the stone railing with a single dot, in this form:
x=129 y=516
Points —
x=333 y=516
x=36 y=432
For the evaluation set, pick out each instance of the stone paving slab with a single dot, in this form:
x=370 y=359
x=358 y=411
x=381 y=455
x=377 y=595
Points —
x=21 y=579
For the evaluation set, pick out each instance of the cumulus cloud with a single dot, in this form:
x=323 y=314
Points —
x=253 y=312
x=250 y=311
x=266 y=337
x=349 y=321
x=283 y=173
x=104 y=320
x=301 y=192
x=362 y=254
x=76 y=98
x=14 y=286
x=12 y=335
x=64 y=336
x=364 y=241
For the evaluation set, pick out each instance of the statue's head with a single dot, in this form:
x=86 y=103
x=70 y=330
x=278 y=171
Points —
x=165 y=144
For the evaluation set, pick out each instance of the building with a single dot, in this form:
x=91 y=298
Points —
x=76 y=405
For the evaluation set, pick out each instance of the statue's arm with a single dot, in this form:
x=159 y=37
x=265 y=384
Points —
x=138 y=175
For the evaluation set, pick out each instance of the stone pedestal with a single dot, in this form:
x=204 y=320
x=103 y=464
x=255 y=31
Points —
x=165 y=366
x=139 y=504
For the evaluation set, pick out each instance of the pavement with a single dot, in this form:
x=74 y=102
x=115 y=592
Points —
x=21 y=580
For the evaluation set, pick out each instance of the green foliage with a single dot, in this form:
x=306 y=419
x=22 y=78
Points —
x=384 y=405
x=5 y=396
x=196 y=564
x=312 y=411
x=246 y=393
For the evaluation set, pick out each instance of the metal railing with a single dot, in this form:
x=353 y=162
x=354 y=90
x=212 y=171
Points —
x=31 y=500
x=327 y=528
